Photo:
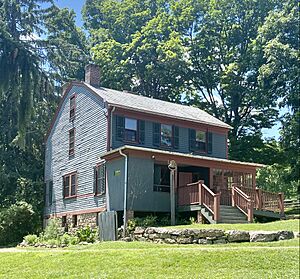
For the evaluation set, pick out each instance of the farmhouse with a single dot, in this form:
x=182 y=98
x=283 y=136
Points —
x=108 y=150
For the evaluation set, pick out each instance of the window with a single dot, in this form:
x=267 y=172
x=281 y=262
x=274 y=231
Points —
x=50 y=192
x=99 y=176
x=72 y=107
x=74 y=220
x=166 y=135
x=201 y=141
x=72 y=142
x=70 y=185
x=161 y=178
x=63 y=221
x=130 y=129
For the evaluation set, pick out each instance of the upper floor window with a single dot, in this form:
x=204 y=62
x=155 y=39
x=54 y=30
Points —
x=165 y=135
x=72 y=142
x=99 y=179
x=72 y=107
x=130 y=129
x=200 y=141
x=70 y=185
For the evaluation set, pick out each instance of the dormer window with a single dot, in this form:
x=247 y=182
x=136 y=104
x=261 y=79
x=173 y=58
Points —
x=131 y=130
x=72 y=107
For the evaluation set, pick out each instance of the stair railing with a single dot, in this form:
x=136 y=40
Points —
x=210 y=200
x=243 y=202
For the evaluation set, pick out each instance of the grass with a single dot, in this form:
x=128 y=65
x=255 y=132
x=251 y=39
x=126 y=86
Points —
x=148 y=260
x=290 y=225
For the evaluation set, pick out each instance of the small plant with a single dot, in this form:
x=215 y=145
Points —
x=87 y=234
x=53 y=230
x=131 y=224
x=74 y=240
x=31 y=239
x=65 y=239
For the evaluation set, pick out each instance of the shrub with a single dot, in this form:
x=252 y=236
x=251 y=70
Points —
x=53 y=230
x=16 y=221
x=87 y=234
x=74 y=240
x=65 y=239
x=31 y=239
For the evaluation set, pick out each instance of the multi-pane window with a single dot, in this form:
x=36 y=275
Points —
x=131 y=130
x=161 y=178
x=166 y=135
x=70 y=185
x=99 y=179
x=201 y=141
x=71 y=142
x=72 y=107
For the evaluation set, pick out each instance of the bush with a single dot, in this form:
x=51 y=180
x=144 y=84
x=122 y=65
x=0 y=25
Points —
x=16 y=221
x=87 y=234
x=53 y=230
x=31 y=239
x=65 y=239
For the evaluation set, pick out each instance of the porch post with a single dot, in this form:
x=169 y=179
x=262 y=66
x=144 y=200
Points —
x=217 y=207
x=281 y=203
x=172 y=167
x=258 y=197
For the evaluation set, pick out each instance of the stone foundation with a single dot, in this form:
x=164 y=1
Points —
x=204 y=236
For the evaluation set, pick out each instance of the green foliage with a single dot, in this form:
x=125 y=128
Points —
x=15 y=222
x=87 y=234
x=31 y=239
x=53 y=230
x=275 y=178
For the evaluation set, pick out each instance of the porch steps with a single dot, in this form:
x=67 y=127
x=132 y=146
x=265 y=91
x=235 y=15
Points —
x=231 y=215
x=228 y=215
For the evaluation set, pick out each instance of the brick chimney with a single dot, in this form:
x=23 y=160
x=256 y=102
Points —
x=92 y=75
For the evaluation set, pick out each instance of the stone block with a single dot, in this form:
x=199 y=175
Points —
x=283 y=235
x=185 y=240
x=170 y=241
x=220 y=241
x=263 y=236
x=139 y=230
x=238 y=236
x=204 y=241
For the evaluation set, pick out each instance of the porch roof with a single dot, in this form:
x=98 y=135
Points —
x=155 y=152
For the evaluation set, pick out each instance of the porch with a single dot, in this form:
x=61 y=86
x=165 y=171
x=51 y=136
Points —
x=230 y=206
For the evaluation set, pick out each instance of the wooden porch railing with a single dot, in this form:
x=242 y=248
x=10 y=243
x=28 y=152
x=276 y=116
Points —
x=264 y=200
x=243 y=202
x=199 y=193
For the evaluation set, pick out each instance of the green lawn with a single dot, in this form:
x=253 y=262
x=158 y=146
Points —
x=290 y=225
x=148 y=260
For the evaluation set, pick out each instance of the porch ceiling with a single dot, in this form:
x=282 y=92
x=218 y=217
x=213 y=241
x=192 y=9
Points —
x=180 y=158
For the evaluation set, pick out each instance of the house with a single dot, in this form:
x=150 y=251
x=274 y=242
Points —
x=108 y=150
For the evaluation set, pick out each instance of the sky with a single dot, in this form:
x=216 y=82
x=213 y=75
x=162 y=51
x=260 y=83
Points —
x=77 y=5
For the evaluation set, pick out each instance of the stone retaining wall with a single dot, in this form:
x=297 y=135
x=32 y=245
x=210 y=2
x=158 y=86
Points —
x=204 y=236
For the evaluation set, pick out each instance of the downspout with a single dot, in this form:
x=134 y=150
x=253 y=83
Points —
x=111 y=127
x=125 y=192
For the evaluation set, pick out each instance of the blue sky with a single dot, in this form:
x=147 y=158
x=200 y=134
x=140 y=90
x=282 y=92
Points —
x=77 y=5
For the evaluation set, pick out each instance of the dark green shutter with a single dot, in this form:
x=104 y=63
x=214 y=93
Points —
x=192 y=139
x=95 y=181
x=209 y=142
x=156 y=134
x=120 y=122
x=50 y=197
x=175 y=137
x=103 y=178
x=142 y=131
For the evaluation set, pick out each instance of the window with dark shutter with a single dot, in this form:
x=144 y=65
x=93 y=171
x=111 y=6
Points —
x=131 y=130
x=156 y=134
x=70 y=185
x=141 y=131
x=175 y=137
x=100 y=181
x=161 y=178
x=192 y=139
x=209 y=142
x=120 y=122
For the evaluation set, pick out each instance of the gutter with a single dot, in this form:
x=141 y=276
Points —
x=125 y=192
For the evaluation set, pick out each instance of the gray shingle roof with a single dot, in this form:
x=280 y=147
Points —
x=154 y=106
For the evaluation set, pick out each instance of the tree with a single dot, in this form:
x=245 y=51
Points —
x=136 y=46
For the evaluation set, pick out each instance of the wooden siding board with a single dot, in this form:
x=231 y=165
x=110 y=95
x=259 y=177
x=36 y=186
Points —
x=91 y=141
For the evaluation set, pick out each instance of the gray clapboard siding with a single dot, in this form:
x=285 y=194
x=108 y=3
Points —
x=218 y=140
x=90 y=142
